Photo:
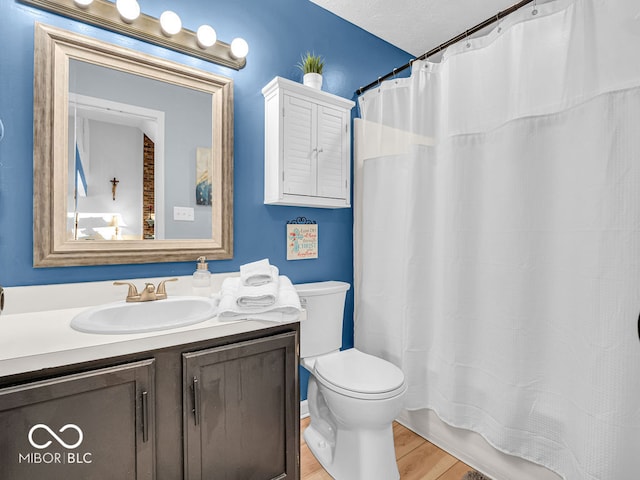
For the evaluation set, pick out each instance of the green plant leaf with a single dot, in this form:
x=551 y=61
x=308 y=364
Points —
x=311 y=63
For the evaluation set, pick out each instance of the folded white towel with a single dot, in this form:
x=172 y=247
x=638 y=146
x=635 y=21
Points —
x=279 y=317
x=258 y=273
x=285 y=308
x=259 y=296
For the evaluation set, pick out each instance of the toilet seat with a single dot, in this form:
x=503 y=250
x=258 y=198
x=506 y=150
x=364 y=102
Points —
x=359 y=375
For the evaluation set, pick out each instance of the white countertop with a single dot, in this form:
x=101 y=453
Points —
x=34 y=340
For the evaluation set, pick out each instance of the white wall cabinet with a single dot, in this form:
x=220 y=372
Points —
x=307 y=146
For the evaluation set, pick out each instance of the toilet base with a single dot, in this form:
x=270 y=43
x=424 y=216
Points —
x=320 y=448
x=345 y=459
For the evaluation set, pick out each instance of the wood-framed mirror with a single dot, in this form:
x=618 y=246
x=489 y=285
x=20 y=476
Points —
x=133 y=156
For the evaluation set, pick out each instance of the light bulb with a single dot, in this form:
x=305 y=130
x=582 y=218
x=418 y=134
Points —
x=206 y=36
x=170 y=22
x=239 y=48
x=129 y=10
x=83 y=3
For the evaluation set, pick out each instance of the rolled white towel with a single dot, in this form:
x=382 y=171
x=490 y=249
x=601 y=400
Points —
x=258 y=273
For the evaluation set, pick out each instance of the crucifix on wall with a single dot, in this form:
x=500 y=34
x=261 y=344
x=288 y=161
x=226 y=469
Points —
x=114 y=184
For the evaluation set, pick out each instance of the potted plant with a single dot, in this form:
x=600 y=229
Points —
x=311 y=66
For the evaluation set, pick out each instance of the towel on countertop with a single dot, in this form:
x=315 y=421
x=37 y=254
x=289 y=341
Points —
x=285 y=308
x=255 y=297
x=258 y=273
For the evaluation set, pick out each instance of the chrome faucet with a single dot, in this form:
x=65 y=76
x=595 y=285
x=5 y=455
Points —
x=149 y=292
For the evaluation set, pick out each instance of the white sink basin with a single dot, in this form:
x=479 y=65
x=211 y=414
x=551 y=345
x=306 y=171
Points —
x=138 y=317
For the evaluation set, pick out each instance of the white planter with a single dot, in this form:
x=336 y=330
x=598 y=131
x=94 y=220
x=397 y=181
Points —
x=313 y=80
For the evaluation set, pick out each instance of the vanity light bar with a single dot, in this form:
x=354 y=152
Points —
x=104 y=14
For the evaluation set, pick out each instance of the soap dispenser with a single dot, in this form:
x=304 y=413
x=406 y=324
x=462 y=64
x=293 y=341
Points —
x=201 y=282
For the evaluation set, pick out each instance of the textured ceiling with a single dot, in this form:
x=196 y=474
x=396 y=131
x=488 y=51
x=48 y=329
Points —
x=415 y=26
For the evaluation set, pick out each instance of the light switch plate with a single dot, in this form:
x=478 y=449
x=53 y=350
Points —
x=183 y=214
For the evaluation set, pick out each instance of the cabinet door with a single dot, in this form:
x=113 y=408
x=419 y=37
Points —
x=94 y=425
x=241 y=416
x=299 y=147
x=333 y=159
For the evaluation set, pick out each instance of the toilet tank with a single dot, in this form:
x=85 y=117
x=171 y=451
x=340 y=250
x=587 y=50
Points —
x=321 y=331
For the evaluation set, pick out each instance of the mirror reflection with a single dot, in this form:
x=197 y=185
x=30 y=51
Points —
x=133 y=156
x=138 y=147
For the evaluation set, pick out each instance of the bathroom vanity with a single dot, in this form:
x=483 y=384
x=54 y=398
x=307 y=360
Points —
x=212 y=400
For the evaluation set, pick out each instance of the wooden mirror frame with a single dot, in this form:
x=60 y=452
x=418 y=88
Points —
x=51 y=247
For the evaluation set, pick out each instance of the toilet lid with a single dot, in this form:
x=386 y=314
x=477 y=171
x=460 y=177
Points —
x=359 y=372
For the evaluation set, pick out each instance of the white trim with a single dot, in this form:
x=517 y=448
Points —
x=304 y=409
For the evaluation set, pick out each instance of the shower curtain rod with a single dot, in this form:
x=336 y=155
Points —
x=446 y=44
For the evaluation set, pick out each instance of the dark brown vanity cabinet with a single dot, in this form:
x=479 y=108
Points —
x=241 y=418
x=219 y=409
x=92 y=425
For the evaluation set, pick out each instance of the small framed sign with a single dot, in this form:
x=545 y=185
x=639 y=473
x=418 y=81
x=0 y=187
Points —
x=302 y=239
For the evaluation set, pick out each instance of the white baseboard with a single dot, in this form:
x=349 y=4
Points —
x=304 y=409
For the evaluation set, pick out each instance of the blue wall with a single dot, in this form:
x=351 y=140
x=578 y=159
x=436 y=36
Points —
x=278 y=32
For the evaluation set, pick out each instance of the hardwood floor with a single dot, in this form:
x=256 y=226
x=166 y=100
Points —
x=417 y=458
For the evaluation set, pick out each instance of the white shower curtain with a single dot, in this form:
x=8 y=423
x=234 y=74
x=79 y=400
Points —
x=497 y=235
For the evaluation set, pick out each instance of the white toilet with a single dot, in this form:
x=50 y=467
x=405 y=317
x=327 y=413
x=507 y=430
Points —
x=353 y=397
